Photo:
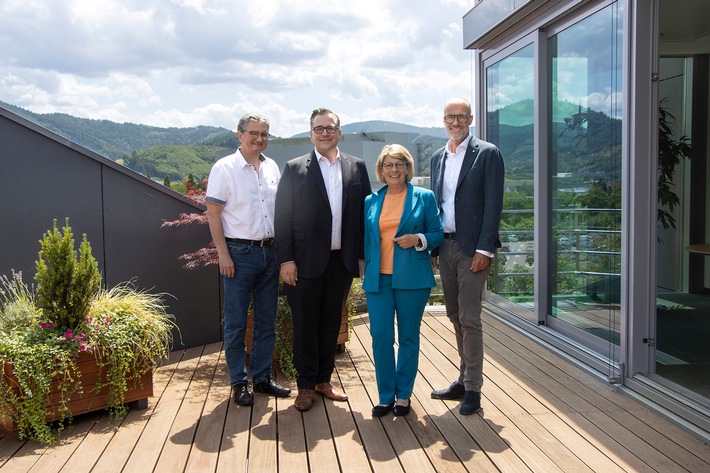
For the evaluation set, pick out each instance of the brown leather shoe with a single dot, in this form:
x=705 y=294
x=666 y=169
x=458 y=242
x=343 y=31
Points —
x=331 y=392
x=304 y=400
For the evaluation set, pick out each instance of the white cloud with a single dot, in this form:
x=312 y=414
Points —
x=191 y=62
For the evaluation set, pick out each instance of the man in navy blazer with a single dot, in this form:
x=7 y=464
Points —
x=318 y=226
x=467 y=178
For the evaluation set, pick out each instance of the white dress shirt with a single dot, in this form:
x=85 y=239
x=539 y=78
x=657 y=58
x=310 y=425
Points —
x=333 y=178
x=248 y=196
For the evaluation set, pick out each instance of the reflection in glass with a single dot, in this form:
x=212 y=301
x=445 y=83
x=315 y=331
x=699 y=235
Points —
x=585 y=163
x=510 y=93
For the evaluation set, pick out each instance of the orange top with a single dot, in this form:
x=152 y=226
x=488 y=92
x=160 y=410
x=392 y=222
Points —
x=390 y=216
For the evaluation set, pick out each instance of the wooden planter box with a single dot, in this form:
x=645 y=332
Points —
x=342 y=335
x=87 y=401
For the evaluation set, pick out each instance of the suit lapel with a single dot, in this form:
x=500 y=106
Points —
x=345 y=164
x=317 y=176
x=376 y=218
x=437 y=184
x=468 y=160
x=409 y=205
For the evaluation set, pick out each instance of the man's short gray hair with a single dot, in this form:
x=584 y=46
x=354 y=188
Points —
x=251 y=117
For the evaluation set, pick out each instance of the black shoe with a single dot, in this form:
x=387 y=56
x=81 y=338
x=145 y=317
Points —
x=241 y=395
x=271 y=387
x=403 y=410
x=381 y=410
x=455 y=391
x=471 y=403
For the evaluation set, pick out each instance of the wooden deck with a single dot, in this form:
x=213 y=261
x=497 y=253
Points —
x=539 y=414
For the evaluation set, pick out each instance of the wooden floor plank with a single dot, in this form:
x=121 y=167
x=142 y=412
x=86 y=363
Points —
x=92 y=446
x=675 y=434
x=292 y=454
x=633 y=455
x=498 y=410
x=322 y=456
x=8 y=448
x=406 y=446
x=176 y=450
x=262 y=444
x=204 y=454
x=540 y=414
x=404 y=443
x=122 y=443
x=348 y=444
x=146 y=452
x=235 y=439
x=25 y=458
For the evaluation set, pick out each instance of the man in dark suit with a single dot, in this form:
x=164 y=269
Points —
x=319 y=245
x=467 y=179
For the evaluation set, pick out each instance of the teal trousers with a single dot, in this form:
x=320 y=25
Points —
x=395 y=375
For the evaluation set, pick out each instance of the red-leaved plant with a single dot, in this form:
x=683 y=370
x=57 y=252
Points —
x=203 y=256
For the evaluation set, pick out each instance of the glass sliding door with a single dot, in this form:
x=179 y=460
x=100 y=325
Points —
x=585 y=151
x=510 y=118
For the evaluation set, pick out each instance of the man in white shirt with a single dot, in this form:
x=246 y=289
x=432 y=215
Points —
x=467 y=179
x=241 y=192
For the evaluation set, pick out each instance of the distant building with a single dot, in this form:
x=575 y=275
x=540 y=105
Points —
x=363 y=145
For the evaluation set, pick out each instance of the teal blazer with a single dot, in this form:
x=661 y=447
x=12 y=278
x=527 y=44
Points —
x=412 y=268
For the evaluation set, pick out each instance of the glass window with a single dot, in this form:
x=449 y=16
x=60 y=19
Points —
x=510 y=94
x=585 y=174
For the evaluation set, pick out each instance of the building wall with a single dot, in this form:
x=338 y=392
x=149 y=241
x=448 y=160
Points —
x=46 y=177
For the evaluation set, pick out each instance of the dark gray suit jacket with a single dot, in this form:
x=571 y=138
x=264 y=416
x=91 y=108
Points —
x=479 y=195
x=303 y=219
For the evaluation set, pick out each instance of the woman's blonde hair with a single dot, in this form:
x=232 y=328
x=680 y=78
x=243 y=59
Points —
x=398 y=152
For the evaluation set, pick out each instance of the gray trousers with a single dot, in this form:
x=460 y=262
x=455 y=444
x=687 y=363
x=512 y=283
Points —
x=463 y=294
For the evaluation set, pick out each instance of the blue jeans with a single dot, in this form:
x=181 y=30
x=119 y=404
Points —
x=255 y=274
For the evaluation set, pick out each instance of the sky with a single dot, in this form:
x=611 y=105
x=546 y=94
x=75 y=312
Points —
x=183 y=63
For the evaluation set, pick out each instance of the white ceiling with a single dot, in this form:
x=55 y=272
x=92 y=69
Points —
x=685 y=26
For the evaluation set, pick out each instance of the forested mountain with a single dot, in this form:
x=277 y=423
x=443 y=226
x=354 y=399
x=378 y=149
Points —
x=117 y=140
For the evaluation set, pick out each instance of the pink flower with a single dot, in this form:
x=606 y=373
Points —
x=43 y=325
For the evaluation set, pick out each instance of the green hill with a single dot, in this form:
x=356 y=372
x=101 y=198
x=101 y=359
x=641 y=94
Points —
x=117 y=140
x=176 y=162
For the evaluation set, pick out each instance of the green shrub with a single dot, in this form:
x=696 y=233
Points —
x=65 y=285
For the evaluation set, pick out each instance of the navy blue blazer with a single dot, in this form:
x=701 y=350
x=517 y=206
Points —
x=479 y=195
x=412 y=268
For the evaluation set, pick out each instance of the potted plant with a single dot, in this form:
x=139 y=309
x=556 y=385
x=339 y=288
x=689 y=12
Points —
x=68 y=346
x=670 y=153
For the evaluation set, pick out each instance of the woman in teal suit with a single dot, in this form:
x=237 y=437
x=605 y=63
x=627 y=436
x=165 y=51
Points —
x=402 y=226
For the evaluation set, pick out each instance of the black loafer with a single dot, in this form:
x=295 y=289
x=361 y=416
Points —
x=471 y=403
x=455 y=391
x=403 y=410
x=381 y=410
x=241 y=395
x=271 y=387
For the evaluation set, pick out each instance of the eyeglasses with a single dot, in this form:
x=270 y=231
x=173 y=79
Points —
x=452 y=118
x=389 y=166
x=255 y=134
x=318 y=130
